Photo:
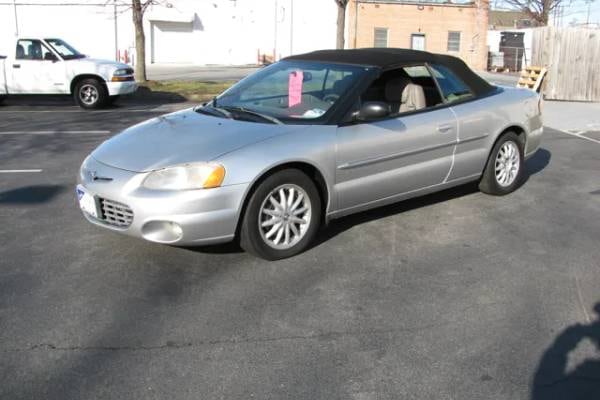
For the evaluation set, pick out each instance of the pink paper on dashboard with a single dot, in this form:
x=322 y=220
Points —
x=295 y=88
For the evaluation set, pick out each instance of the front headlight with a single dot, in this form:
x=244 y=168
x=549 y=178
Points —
x=123 y=72
x=186 y=177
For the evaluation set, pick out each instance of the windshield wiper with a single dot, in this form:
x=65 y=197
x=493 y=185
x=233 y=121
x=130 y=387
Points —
x=255 y=113
x=210 y=110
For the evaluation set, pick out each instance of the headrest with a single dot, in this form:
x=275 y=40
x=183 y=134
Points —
x=395 y=87
x=20 y=51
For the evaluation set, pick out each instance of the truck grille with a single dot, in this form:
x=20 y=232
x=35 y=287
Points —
x=116 y=214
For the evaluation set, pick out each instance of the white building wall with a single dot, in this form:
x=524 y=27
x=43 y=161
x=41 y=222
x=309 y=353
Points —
x=221 y=31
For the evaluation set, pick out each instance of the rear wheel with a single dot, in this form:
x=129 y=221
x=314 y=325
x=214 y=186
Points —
x=282 y=216
x=91 y=94
x=2 y=98
x=503 y=173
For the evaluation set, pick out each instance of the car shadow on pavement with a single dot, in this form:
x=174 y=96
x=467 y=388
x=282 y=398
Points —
x=538 y=161
x=555 y=379
x=143 y=96
x=31 y=194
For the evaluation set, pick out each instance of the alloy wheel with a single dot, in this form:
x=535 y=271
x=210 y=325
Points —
x=285 y=216
x=507 y=164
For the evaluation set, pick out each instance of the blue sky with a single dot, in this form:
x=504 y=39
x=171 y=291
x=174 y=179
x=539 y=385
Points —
x=577 y=10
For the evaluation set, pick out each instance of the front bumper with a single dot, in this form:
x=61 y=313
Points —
x=119 y=88
x=192 y=217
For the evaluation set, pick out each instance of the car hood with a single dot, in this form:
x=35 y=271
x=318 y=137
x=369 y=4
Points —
x=97 y=66
x=180 y=138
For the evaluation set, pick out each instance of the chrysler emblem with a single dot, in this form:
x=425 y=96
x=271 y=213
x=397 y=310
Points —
x=94 y=176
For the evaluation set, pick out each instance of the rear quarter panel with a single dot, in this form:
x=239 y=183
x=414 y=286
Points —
x=482 y=121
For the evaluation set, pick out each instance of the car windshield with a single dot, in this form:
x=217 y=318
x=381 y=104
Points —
x=66 y=51
x=291 y=91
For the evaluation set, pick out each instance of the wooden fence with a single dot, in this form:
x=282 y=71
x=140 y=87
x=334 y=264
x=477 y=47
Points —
x=572 y=57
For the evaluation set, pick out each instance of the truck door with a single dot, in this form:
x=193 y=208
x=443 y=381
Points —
x=35 y=70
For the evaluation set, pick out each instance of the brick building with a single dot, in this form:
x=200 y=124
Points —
x=456 y=27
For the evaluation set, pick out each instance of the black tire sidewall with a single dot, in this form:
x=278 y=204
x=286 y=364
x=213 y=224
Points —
x=250 y=237
x=102 y=94
x=489 y=183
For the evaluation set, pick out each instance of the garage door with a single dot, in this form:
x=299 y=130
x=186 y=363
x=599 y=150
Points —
x=172 y=42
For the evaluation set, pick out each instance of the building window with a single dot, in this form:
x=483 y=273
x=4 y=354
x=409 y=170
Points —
x=381 y=37
x=417 y=41
x=453 y=41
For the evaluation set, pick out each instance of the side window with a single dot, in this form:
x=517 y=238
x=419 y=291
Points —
x=406 y=89
x=452 y=87
x=32 y=50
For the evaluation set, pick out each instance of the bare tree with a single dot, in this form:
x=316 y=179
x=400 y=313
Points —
x=138 y=8
x=538 y=10
x=341 y=22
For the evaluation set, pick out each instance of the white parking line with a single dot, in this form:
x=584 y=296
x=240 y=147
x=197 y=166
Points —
x=52 y=132
x=19 y=171
x=579 y=135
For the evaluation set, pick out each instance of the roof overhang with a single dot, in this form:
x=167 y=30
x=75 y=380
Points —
x=171 y=15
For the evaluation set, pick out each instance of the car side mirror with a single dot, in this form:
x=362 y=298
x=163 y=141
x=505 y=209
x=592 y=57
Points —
x=50 y=57
x=372 y=110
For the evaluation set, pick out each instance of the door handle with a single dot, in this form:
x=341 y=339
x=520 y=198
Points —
x=17 y=66
x=444 y=128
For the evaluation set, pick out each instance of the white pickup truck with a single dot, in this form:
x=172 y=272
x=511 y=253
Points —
x=52 y=66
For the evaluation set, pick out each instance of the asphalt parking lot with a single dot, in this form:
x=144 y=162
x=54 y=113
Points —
x=456 y=295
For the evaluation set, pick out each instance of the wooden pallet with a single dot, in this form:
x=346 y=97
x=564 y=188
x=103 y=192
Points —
x=532 y=78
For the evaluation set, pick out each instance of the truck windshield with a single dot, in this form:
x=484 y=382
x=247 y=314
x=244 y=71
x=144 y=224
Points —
x=66 y=51
x=292 y=90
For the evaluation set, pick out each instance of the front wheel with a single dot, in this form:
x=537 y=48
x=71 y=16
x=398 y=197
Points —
x=282 y=216
x=91 y=94
x=503 y=173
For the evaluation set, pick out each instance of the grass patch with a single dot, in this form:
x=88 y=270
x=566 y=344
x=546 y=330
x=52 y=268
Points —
x=191 y=90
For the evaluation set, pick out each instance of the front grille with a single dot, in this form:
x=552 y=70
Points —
x=116 y=214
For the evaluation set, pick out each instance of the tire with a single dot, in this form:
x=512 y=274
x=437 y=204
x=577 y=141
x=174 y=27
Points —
x=507 y=157
x=91 y=94
x=2 y=98
x=263 y=241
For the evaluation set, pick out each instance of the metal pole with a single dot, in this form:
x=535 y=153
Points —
x=116 y=31
x=291 y=27
x=275 y=34
x=16 y=18
x=355 y=22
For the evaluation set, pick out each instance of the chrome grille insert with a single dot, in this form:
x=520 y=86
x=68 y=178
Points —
x=116 y=214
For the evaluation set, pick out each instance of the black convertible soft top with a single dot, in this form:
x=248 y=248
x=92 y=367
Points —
x=387 y=58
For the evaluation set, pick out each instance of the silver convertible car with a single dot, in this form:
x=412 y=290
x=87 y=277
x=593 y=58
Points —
x=308 y=139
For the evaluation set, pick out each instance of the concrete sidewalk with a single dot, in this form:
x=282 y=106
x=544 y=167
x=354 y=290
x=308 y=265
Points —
x=166 y=72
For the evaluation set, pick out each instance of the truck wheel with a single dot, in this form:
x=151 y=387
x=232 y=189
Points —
x=91 y=94
x=504 y=171
x=282 y=216
x=2 y=98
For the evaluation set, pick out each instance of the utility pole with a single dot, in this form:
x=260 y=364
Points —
x=16 y=18
x=116 y=31
x=587 y=20
x=275 y=33
x=292 y=26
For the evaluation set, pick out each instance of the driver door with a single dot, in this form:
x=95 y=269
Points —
x=410 y=150
x=36 y=70
x=383 y=159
